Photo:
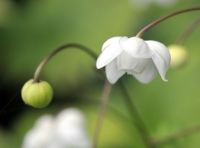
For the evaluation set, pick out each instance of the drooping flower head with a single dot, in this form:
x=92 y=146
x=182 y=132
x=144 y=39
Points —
x=142 y=59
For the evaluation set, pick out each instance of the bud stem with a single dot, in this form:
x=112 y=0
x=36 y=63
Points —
x=188 y=31
x=39 y=68
x=141 y=32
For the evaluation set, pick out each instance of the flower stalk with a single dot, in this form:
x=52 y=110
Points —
x=188 y=31
x=102 y=109
x=177 y=135
x=139 y=123
x=141 y=32
x=41 y=65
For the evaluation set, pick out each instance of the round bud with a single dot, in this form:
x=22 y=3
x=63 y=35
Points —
x=179 y=56
x=37 y=94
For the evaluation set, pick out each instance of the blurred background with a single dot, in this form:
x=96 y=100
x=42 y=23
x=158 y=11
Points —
x=29 y=30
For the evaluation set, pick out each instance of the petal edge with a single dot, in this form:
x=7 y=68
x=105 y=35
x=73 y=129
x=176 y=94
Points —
x=113 y=73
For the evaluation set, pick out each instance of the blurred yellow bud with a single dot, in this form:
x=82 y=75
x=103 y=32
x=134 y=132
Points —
x=179 y=56
x=38 y=94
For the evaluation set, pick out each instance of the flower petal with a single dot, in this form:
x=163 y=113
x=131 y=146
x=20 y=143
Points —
x=141 y=65
x=126 y=62
x=110 y=41
x=137 y=48
x=161 y=58
x=160 y=49
x=113 y=73
x=110 y=53
x=148 y=74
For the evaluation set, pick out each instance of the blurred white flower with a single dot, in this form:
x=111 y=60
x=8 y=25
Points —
x=41 y=134
x=70 y=129
x=142 y=59
x=165 y=3
x=144 y=4
x=66 y=130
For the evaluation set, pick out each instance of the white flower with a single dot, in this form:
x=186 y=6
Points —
x=142 y=59
x=66 y=130
x=41 y=134
x=144 y=4
x=70 y=129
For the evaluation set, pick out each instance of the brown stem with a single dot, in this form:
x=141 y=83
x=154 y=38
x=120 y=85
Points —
x=141 y=32
x=188 y=31
x=102 y=109
x=39 y=68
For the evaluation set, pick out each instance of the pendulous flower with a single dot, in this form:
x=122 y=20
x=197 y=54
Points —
x=142 y=59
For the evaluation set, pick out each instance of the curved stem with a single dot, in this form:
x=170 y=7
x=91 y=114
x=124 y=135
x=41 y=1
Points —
x=102 y=109
x=39 y=68
x=177 y=135
x=188 y=31
x=139 y=123
x=140 y=33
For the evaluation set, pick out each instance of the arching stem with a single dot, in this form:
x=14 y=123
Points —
x=141 y=32
x=41 y=65
x=177 y=135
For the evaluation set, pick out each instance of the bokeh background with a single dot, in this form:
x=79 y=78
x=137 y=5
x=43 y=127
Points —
x=29 y=30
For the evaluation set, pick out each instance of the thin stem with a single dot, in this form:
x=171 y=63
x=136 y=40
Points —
x=177 y=135
x=39 y=68
x=141 y=32
x=2 y=110
x=188 y=31
x=139 y=123
x=102 y=109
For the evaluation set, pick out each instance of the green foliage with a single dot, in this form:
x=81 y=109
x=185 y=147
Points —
x=32 y=31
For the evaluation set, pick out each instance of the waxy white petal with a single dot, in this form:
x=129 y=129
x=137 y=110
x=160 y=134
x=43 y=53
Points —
x=161 y=58
x=148 y=74
x=141 y=65
x=110 y=41
x=113 y=73
x=109 y=54
x=161 y=50
x=137 y=48
x=161 y=66
x=126 y=62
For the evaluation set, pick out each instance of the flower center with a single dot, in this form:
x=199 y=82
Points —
x=131 y=65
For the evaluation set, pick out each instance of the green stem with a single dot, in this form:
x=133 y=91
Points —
x=177 y=135
x=102 y=109
x=139 y=123
x=141 y=32
x=188 y=31
x=41 y=65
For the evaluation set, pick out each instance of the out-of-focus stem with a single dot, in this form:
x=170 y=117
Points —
x=188 y=31
x=102 y=109
x=177 y=135
x=139 y=123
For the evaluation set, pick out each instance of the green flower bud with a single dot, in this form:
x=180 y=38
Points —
x=37 y=94
x=179 y=56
